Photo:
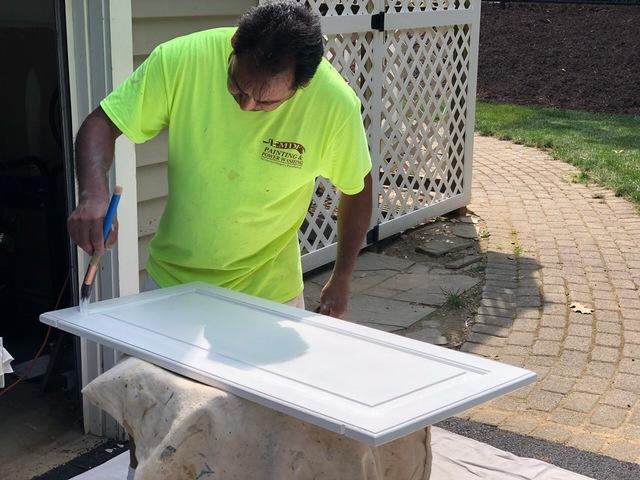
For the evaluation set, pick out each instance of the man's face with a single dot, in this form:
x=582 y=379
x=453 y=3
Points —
x=256 y=92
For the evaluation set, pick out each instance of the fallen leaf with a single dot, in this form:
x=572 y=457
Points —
x=578 y=307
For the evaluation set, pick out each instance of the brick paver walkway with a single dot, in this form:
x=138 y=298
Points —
x=554 y=242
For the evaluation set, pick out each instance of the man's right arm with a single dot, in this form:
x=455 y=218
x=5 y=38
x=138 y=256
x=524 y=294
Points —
x=95 y=144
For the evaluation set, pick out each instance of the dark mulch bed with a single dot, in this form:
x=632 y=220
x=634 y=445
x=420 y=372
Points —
x=583 y=57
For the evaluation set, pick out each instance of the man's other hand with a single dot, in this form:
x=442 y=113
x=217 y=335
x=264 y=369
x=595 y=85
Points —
x=334 y=297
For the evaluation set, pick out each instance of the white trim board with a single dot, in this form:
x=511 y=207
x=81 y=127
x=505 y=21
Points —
x=368 y=385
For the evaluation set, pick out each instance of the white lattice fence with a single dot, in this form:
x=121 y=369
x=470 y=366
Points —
x=350 y=45
x=413 y=63
x=423 y=127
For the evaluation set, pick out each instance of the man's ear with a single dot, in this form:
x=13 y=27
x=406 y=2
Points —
x=233 y=40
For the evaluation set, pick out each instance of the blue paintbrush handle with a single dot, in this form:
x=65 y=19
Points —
x=111 y=213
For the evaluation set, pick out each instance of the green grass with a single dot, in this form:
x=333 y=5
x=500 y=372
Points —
x=453 y=297
x=606 y=148
x=518 y=250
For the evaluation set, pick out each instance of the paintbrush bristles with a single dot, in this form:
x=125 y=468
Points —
x=87 y=284
x=85 y=293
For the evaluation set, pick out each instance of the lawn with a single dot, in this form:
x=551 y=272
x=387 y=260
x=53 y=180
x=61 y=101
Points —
x=606 y=148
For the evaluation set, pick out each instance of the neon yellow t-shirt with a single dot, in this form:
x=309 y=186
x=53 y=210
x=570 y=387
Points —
x=240 y=182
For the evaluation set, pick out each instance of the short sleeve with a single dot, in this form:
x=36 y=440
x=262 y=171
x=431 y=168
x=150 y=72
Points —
x=347 y=155
x=139 y=106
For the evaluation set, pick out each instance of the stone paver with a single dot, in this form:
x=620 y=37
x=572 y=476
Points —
x=393 y=294
x=369 y=309
x=464 y=230
x=554 y=242
x=440 y=247
x=463 y=262
x=429 y=335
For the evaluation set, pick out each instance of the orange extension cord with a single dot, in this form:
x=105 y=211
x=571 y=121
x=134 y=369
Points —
x=44 y=344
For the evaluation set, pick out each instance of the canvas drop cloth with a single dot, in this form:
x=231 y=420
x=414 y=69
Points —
x=454 y=458
x=187 y=430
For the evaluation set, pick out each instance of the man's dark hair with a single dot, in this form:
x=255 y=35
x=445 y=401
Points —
x=279 y=35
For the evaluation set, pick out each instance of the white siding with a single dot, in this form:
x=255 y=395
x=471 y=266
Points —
x=154 y=22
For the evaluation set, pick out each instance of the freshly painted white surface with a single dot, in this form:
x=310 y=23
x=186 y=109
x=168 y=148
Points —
x=369 y=385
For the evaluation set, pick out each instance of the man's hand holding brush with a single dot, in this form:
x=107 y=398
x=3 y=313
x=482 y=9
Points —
x=96 y=230
x=86 y=222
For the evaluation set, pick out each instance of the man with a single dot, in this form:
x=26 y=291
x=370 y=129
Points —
x=254 y=115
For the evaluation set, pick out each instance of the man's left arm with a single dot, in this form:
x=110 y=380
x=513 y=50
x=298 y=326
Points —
x=354 y=213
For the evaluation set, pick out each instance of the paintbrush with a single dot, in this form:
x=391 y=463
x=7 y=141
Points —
x=92 y=269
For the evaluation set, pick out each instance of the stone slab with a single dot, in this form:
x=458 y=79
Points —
x=364 y=280
x=442 y=246
x=463 y=262
x=383 y=292
x=420 y=268
x=370 y=269
x=370 y=309
x=425 y=297
x=415 y=295
x=375 y=261
x=467 y=219
x=428 y=335
x=429 y=283
x=464 y=230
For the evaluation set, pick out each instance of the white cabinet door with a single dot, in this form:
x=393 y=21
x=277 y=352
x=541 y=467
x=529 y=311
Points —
x=369 y=385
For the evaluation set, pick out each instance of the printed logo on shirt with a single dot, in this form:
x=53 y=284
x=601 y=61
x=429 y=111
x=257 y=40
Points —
x=287 y=154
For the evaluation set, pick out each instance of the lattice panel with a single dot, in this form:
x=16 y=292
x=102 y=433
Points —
x=335 y=8
x=425 y=85
x=414 y=108
x=424 y=5
x=320 y=227
x=352 y=56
